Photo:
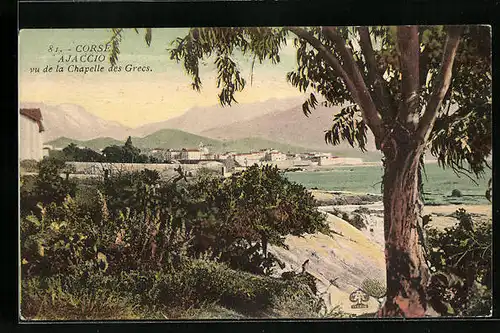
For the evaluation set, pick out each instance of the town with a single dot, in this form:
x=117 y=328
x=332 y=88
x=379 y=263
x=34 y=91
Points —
x=167 y=160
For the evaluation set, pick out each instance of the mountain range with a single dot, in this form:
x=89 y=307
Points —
x=70 y=120
x=175 y=139
x=277 y=122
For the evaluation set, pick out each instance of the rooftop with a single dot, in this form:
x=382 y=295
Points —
x=35 y=115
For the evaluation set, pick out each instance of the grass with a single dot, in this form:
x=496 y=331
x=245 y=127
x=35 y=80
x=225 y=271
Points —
x=200 y=289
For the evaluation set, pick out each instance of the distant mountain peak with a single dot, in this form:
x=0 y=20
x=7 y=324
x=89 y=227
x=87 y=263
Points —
x=278 y=120
x=74 y=121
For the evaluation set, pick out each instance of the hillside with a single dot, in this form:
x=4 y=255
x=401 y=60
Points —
x=175 y=139
x=288 y=125
x=340 y=262
x=96 y=144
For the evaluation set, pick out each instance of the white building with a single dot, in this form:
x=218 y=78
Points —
x=247 y=159
x=275 y=156
x=190 y=154
x=339 y=161
x=171 y=154
x=30 y=134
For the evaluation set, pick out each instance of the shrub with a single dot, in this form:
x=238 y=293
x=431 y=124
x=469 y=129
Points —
x=66 y=297
x=461 y=260
x=28 y=165
x=356 y=220
x=60 y=241
x=362 y=210
x=245 y=213
x=142 y=233
x=346 y=217
x=297 y=303
x=374 y=288
x=46 y=187
x=199 y=282
x=456 y=193
x=196 y=284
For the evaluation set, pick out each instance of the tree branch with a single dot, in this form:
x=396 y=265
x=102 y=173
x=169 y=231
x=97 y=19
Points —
x=382 y=94
x=329 y=58
x=370 y=114
x=409 y=47
x=441 y=84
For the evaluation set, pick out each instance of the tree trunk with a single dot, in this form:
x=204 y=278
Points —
x=407 y=270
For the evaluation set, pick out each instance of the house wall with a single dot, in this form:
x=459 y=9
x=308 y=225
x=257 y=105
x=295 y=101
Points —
x=190 y=155
x=250 y=158
x=30 y=140
x=194 y=155
x=172 y=155
x=340 y=161
x=96 y=168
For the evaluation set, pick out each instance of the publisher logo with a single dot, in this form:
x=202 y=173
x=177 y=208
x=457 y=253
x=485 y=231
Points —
x=359 y=298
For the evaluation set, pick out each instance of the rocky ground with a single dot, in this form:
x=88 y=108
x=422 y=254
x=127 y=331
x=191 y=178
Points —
x=353 y=253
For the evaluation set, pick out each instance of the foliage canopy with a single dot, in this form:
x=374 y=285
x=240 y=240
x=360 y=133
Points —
x=368 y=71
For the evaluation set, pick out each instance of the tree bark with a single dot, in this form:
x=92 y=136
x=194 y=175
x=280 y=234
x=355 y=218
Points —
x=407 y=270
x=410 y=83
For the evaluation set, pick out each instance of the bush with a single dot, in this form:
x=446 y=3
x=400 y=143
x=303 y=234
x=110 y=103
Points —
x=46 y=187
x=346 y=217
x=297 y=303
x=461 y=260
x=233 y=219
x=60 y=241
x=245 y=213
x=362 y=210
x=28 y=165
x=200 y=282
x=456 y=193
x=374 y=288
x=356 y=220
x=147 y=241
x=67 y=297
x=197 y=284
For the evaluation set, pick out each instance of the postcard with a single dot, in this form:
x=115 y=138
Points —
x=255 y=173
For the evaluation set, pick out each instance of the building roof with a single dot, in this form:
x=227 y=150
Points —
x=247 y=154
x=35 y=115
x=193 y=150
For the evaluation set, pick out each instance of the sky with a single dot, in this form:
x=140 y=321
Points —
x=132 y=98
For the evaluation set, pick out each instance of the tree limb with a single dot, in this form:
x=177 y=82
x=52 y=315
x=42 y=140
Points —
x=441 y=84
x=382 y=94
x=409 y=47
x=370 y=114
x=329 y=58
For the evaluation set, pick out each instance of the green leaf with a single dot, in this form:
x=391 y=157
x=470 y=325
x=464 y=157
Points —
x=148 y=36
